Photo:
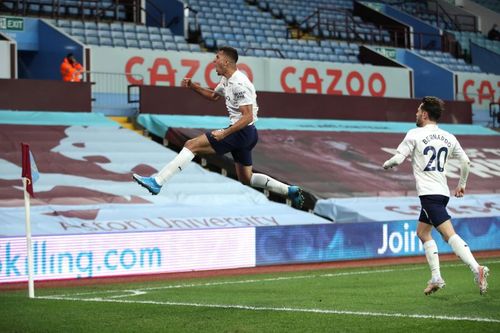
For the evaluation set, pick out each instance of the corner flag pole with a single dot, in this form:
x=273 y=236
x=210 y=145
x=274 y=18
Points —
x=28 y=165
x=29 y=247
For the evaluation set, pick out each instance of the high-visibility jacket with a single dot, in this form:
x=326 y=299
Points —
x=69 y=72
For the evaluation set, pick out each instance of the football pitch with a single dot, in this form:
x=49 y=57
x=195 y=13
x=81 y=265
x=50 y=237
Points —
x=369 y=299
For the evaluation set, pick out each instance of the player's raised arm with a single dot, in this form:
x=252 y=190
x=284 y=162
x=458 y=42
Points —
x=205 y=92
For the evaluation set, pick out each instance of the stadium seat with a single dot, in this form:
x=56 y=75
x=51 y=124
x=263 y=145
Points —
x=132 y=43
x=104 y=41
x=93 y=40
x=144 y=44
x=157 y=44
x=119 y=42
x=170 y=46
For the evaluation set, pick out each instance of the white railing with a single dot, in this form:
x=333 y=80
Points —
x=112 y=91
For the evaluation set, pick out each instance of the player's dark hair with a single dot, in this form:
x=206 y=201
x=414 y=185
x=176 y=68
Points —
x=230 y=52
x=434 y=107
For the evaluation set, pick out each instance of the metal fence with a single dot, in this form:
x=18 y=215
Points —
x=112 y=94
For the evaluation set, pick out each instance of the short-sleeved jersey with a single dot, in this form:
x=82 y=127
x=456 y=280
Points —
x=430 y=148
x=238 y=90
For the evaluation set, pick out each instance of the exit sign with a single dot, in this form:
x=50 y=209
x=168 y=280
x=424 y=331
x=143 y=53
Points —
x=11 y=23
x=388 y=52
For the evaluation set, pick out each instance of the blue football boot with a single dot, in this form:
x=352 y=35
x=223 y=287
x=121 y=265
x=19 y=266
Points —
x=296 y=196
x=149 y=183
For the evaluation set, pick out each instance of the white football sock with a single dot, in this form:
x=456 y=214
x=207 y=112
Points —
x=462 y=250
x=431 y=253
x=176 y=165
x=263 y=181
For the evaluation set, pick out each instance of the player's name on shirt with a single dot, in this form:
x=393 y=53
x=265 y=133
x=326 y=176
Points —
x=439 y=137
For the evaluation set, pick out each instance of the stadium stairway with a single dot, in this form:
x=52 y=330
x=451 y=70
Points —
x=127 y=123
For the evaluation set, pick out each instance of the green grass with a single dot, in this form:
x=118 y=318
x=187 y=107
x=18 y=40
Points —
x=388 y=299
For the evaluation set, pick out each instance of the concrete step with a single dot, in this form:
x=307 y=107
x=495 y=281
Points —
x=125 y=122
x=119 y=119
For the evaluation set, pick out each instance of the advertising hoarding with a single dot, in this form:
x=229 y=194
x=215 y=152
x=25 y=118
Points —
x=168 y=68
x=99 y=255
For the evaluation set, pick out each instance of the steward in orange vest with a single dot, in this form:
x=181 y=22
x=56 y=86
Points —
x=71 y=70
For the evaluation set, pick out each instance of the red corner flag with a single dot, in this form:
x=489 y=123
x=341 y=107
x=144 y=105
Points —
x=30 y=171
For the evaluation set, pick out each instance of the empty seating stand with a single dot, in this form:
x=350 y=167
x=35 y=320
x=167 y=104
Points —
x=327 y=19
x=91 y=9
x=257 y=32
x=122 y=34
x=466 y=37
x=448 y=61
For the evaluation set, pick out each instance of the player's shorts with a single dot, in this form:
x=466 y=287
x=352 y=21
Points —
x=434 y=209
x=239 y=144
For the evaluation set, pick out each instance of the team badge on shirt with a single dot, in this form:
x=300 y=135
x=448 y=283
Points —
x=239 y=95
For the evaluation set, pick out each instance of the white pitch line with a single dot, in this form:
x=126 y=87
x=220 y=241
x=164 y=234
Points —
x=282 y=309
x=283 y=278
x=222 y=283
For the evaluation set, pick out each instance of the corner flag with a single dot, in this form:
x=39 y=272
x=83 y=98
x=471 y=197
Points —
x=29 y=168
x=29 y=175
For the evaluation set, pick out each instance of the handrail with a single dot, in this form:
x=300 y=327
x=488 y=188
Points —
x=495 y=114
x=109 y=86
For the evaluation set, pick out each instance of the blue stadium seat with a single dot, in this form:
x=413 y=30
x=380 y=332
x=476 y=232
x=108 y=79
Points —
x=129 y=28
x=115 y=26
x=119 y=42
x=132 y=43
x=182 y=47
x=259 y=53
x=93 y=40
x=179 y=39
x=154 y=30
x=103 y=26
x=77 y=24
x=104 y=33
x=130 y=35
x=154 y=37
x=63 y=23
x=167 y=38
x=302 y=55
x=170 y=46
x=90 y=25
x=91 y=33
x=117 y=34
x=104 y=41
x=157 y=45
x=143 y=36
x=145 y=44
x=141 y=29
x=78 y=31
x=322 y=57
x=194 y=48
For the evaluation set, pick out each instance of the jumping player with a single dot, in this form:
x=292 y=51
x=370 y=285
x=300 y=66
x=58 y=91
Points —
x=239 y=138
x=429 y=148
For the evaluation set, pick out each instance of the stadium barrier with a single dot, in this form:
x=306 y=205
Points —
x=44 y=95
x=175 y=100
x=134 y=253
